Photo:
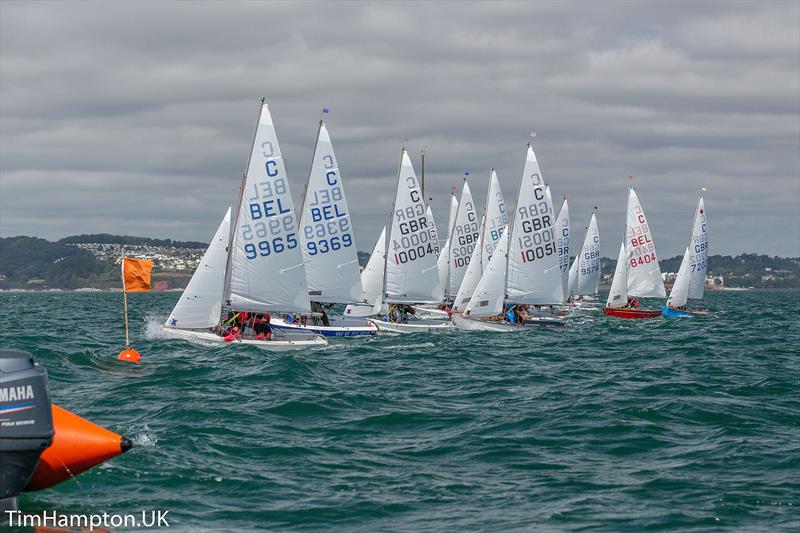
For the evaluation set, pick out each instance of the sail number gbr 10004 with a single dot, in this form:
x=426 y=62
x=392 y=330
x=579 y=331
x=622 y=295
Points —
x=415 y=240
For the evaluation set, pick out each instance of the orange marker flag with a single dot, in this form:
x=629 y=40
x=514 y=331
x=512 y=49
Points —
x=136 y=274
x=135 y=278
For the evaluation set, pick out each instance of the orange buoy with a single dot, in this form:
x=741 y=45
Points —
x=130 y=355
x=77 y=446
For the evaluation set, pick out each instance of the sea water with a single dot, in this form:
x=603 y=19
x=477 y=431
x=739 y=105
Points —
x=605 y=424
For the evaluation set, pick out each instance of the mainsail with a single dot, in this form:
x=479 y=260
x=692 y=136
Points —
x=443 y=263
x=562 y=242
x=266 y=268
x=329 y=249
x=489 y=295
x=412 y=275
x=372 y=281
x=644 y=274
x=201 y=302
x=496 y=219
x=534 y=276
x=698 y=253
x=618 y=295
x=690 y=282
x=587 y=264
x=471 y=279
x=463 y=239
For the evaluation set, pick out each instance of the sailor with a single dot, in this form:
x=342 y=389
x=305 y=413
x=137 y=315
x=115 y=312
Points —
x=632 y=302
x=262 y=328
x=511 y=316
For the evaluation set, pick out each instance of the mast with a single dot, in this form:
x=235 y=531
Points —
x=235 y=219
x=310 y=169
x=125 y=297
x=422 y=176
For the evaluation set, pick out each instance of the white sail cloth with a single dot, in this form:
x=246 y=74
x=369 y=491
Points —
x=587 y=263
x=471 y=279
x=412 y=249
x=496 y=219
x=200 y=304
x=562 y=243
x=690 y=282
x=372 y=281
x=489 y=295
x=329 y=248
x=463 y=240
x=618 y=295
x=644 y=274
x=534 y=276
x=443 y=262
x=266 y=268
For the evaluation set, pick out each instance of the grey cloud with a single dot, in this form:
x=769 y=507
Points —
x=139 y=115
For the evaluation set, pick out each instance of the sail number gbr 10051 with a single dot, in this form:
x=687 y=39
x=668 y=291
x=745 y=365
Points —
x=538 y=237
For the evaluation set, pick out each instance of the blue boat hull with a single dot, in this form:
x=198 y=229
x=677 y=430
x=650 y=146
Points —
x=326 y=331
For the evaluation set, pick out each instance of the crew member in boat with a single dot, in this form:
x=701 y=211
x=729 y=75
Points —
x=632 y=303
x=261 y=327
x=319 y=309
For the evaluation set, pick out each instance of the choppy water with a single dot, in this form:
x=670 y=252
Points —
x=605 y=425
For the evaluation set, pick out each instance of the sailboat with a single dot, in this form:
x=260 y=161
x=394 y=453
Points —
x=584 y=274
x=524 y=269
x=329 y=249
x=562 y=243
x=371 y=282
x=492 y=225
x=691 y=279
x=437 y=312
x=257 y=269
x=411 y=273
x=464 y=236
x=443 y=263
x=637 y=272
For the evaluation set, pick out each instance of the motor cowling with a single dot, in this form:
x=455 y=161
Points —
x=26 y=422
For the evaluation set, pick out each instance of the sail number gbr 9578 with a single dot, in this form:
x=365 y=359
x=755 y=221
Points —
x=537 y=238
x=413 y=239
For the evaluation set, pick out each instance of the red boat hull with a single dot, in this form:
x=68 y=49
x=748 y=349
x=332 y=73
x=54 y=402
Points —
x=632 y=313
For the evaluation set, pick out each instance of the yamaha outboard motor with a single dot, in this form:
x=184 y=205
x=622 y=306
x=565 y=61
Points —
x=26 y=423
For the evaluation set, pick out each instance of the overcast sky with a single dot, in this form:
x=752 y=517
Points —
x=137 y=118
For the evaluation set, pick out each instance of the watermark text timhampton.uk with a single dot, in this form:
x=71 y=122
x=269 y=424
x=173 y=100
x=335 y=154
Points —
x=53 y=518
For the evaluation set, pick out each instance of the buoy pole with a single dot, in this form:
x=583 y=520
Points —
x=125 y=299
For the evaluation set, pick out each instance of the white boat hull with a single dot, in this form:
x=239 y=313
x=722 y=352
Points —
x=472 y=324
x=209 y=339
x=354 y=330
x=414 y=326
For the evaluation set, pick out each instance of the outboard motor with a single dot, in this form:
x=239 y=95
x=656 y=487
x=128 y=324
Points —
x=26 y=423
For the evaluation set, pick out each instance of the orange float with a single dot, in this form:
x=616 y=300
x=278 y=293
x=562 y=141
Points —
x=78 y=445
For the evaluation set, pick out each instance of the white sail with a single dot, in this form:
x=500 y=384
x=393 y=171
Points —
x=496 y=219
x=372 y=281
x=266 y=270
x=618 y=295
x=489 y=295
x=463 y=239
x=533 y=268
x=443 y=263
x=329 y=249
x=588 y=261
x=644 y=274
x=572 y=282
x=412 y=275
x=680 y=289
x=562 y=243
x=698 y=248
x=471 y=279
x=200 y=304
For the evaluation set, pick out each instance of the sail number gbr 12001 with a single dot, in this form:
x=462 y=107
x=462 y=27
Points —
x=537 y=236
x=414 y=238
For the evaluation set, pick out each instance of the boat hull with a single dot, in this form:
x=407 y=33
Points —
x=631 y=313
x=431 y=313
x=326 y=331
x=209 y=339
x=677 y=313
x=415 y=326
x=473 y=324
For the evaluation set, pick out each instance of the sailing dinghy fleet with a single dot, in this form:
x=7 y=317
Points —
x=270 y=276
